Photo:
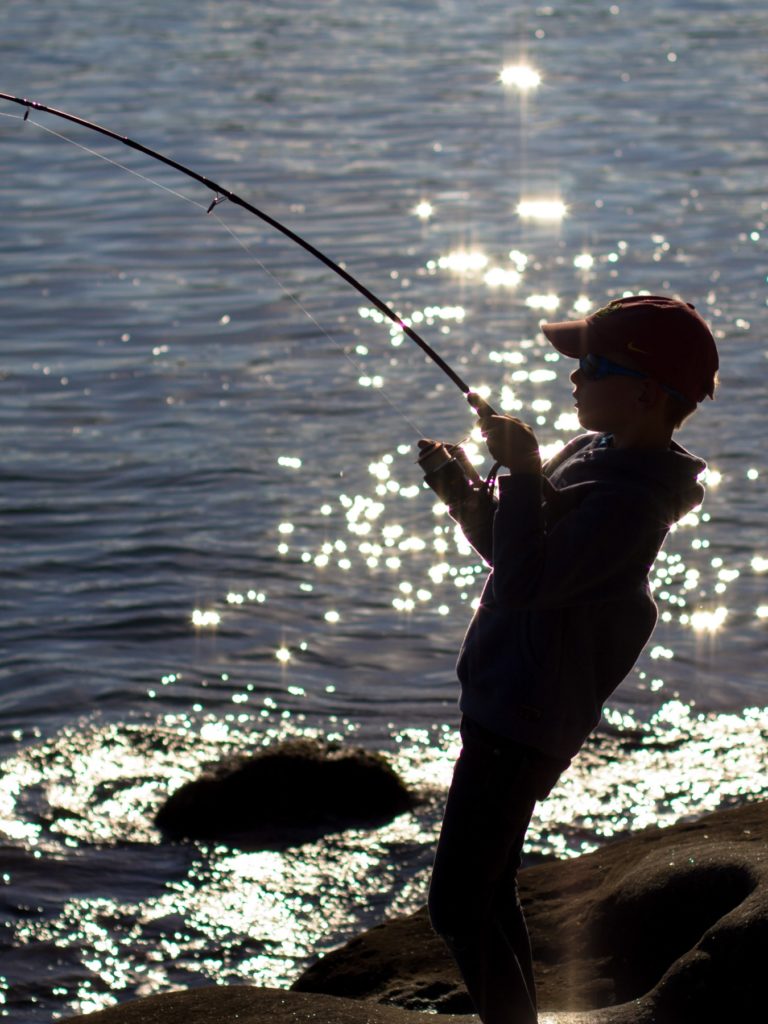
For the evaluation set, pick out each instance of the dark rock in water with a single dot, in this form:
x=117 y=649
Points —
x=669 y=926
x=288 y=793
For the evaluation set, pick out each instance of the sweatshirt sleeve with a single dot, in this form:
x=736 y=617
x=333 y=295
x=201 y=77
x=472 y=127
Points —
x=475 y=516
x=594 y=550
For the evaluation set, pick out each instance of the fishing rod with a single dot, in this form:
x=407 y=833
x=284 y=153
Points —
x=446 y=467
x=220 y=194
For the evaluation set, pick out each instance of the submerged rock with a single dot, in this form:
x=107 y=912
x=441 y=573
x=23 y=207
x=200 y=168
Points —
x=286 y=793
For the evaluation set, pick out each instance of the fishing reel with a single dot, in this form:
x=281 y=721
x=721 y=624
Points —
x=453 y=478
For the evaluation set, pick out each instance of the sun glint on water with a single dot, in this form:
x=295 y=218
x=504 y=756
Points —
x=520 y=76
x=542 y=209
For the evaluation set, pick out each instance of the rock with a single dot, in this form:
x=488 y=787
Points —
x=402 y=962
x=670 y=925
x=288 y=793
x=240 y=1004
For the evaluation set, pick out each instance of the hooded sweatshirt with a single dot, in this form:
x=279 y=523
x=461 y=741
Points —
x=567 y=606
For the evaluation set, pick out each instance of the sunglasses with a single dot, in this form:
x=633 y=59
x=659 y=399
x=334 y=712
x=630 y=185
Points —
x=598 y=368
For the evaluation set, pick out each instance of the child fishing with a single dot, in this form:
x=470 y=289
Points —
x=565 y=611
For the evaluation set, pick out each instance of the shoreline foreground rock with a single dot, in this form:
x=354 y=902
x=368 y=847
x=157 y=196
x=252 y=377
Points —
x=669 y=926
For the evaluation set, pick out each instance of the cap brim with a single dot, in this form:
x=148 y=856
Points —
x=568 y=337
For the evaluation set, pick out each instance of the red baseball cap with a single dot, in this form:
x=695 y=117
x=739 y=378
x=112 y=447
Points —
x=664 y=337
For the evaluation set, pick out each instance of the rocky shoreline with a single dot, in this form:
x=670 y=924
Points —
x=666 y=927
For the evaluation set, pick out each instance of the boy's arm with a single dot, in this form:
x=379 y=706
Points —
x=475 y=516
x=607 y=542
x=512 y=444
x=469 y=504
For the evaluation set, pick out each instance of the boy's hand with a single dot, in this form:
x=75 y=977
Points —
x=510 y=441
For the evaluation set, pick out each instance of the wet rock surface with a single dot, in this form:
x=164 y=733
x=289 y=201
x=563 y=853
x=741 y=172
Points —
x=239 y=1004
x=671 y=921
x=285 y=794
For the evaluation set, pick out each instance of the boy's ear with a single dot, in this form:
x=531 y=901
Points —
x=651 y=393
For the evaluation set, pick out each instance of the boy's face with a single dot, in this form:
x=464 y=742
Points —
x=610 y=404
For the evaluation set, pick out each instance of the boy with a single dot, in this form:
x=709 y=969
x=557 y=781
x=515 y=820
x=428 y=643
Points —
x=564 y=614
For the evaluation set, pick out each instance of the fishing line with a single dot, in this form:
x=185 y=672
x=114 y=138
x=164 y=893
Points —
x=243 y=245
x=105 y=158
x=289 y=294
x=221 y=193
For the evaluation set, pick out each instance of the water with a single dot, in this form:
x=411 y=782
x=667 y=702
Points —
x=213 y=531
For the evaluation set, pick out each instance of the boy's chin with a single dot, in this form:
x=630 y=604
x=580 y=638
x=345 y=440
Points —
x=593 y=426
x=591 y=422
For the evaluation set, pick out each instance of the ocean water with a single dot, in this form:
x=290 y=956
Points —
x=213 y=531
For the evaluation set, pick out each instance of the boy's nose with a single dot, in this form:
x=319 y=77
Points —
x=575 y=377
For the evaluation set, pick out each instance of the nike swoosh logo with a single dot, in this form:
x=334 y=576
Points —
x=633 y=348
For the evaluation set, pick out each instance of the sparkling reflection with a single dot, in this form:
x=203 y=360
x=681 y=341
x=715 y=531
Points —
x=584 y=261
x=542 y=209
x=521 y=76
x=498 y=277
x=205 y=619
x=706 y=620
x=545 y=301
x=190 y=914
x=423 y=210
x=463 y=261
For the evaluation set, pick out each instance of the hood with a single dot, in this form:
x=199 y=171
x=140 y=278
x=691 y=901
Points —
x=672 y=474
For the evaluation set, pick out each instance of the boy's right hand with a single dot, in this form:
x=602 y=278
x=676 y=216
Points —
x=481 y=407
x=511 y=442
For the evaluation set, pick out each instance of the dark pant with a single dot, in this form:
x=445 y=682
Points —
x=473 y=899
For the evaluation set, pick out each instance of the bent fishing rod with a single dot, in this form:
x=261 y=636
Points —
x=220 y=194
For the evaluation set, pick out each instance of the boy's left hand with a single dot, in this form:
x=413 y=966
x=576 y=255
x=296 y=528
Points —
x=510 y=441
